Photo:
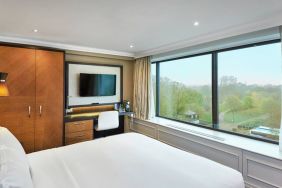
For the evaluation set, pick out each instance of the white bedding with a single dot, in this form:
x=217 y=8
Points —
x=127 y=161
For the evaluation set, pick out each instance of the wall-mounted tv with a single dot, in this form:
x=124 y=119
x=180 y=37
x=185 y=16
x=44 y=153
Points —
x=97 y=85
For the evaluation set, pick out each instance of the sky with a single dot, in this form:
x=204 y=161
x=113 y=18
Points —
x=260 y=65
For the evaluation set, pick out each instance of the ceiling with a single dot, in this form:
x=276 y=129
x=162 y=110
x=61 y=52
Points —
x=152 y=26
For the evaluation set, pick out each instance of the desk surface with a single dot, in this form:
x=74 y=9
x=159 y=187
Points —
x=90 y=115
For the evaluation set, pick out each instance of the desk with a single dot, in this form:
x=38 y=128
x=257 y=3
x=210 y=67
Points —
x=91 y=119
x=90 y=115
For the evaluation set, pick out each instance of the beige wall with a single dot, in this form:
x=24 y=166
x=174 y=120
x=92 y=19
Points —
x=126 y=62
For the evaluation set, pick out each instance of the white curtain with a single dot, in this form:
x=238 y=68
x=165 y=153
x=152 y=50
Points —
x=280 y=136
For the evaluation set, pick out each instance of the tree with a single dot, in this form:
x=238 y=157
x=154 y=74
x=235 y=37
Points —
x=177 y=98
x=248 y=102
x=181 y=99
x=271 y=107
x=232 y=103
x=227 y=81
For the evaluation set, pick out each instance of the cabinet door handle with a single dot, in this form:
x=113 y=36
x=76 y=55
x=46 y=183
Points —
x=40 y=110
x=29 y=111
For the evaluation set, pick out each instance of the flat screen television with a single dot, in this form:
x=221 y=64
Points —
x=97 y=85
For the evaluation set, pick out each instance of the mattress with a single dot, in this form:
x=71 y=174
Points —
x=126 y=161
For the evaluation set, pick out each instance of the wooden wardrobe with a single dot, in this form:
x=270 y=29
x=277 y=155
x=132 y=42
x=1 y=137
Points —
x=33 y=111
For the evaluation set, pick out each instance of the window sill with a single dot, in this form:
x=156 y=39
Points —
x=255 y=146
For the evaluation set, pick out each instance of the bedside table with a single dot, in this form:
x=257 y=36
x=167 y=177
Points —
x=78 y=131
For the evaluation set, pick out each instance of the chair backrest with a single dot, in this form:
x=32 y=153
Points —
x=108 y=120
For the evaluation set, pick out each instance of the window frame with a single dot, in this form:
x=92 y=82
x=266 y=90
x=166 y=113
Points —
x=214 y=87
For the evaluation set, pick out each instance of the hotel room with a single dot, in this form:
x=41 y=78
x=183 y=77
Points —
x=140 y=94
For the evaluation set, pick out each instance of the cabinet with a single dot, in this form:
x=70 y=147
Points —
x=49 y=99
x=33 y=111
x=78 y=131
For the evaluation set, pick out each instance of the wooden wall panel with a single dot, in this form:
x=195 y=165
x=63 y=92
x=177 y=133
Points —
x=49 y=97
x=92 y=109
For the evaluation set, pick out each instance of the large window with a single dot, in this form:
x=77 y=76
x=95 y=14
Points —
x=185 y=90
x=249 y=85
x=234 y=90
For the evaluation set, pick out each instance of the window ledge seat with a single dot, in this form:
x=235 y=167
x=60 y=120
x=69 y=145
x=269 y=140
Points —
x=255 y=146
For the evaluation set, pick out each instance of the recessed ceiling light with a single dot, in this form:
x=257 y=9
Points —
x=131 y=46
x=196 y=23
x=35 y=30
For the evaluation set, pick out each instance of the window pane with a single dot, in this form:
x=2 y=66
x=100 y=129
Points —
x=249 y=83
x=185 y=90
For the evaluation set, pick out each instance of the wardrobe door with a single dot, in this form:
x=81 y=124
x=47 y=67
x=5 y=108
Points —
x=49 y=99
x=17 y=111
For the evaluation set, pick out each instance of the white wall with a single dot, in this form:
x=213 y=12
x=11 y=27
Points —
x=73 y=84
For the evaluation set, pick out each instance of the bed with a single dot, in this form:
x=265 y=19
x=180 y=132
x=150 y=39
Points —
x=126 y=161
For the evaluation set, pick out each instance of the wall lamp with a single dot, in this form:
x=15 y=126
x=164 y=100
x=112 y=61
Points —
x=4 y=92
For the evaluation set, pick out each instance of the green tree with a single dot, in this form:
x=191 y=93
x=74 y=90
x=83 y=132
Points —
x=248 y=102
x=232 y=103
x=271 y=107
x=227 y=81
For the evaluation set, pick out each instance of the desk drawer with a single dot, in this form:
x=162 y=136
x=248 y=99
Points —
x=76 y=137
x=77 y=126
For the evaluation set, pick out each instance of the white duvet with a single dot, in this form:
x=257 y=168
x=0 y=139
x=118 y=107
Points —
x=127 y=161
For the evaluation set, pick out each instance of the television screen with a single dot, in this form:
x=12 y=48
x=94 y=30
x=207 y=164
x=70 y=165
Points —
x=97 y=85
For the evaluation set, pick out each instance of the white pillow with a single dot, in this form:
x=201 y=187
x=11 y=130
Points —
x=14 y=166
x=14 y=169
x=9 y=140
